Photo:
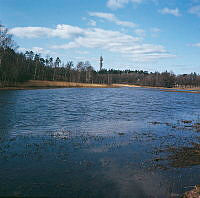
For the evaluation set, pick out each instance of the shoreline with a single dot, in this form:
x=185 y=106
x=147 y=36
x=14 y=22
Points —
x=39 y=84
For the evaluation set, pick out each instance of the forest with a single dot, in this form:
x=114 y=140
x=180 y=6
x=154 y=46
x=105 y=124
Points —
x=20 y=67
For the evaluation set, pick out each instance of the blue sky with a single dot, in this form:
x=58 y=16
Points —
x=152 y=35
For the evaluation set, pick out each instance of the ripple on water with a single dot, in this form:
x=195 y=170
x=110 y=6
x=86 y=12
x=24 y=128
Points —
x=98 y=142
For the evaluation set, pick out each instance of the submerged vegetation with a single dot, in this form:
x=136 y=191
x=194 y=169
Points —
x=179 y=153
x=66 y=148
x=20 y=67
x=194 y=193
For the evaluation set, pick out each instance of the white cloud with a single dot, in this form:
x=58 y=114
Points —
x=41 y=50
x=195 y=45
x=195 y=10
x=112 y=18
x=155 y=30
x=95 y=38
x=30 y=32
x=117 y=42
x=100 y=38
x=114 y=4
x=140 y=32
x=84 y=18
x=79 y=58
x=62 y=31
x=38 y=50
x=82 y=52
x=174 y=12
x=92 y=23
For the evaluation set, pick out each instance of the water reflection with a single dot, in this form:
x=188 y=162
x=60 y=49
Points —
x=110 y=174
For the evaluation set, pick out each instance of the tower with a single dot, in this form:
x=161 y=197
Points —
x=101 y=63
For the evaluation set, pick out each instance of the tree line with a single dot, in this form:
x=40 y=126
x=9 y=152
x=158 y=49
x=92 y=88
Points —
x=20 y=67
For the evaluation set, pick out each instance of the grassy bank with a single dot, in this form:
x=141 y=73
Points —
x=174 y=89
x=39 y=84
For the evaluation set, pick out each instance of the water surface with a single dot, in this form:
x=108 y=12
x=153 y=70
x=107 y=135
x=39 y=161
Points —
x=92 y=142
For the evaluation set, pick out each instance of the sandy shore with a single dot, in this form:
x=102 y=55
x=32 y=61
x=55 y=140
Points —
x=38 y=84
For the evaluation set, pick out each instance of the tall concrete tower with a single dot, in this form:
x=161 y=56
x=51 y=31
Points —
x=101 y=63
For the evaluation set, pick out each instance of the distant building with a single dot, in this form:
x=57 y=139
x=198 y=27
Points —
x=101 y=63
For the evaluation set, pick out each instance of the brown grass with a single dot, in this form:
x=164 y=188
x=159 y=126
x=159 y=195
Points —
x=174 y=89
x=126 y=85
x=186 y=91
x=38 y=84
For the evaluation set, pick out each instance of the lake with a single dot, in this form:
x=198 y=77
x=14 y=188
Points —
x=95 y=143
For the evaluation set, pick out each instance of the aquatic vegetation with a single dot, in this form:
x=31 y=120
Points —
x=186 y=121
x=121 y=133
x=185 y=156
x=196 y=126
x=155 y=122
x=194 y=193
